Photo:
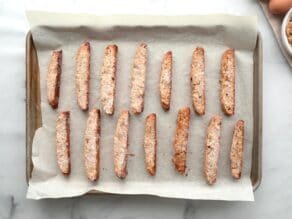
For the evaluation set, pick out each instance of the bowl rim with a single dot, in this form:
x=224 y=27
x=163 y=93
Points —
x=285 y=21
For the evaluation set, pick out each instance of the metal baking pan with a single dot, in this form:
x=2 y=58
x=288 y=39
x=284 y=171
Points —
x=34 y=116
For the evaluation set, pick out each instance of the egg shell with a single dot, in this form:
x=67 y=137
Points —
x=280 y=6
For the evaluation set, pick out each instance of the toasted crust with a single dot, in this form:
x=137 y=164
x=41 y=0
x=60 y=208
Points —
x=63 y=142
x=138 y=79
x=53 y=78
x=150 y=143
x=92 y=145
x=108 y=79
x=82 y=75
x=121 y=145
x=166 y=80
x=227 y=80
x=212 y=149
x=181 y=140
x=198 y=81
x=236 y=152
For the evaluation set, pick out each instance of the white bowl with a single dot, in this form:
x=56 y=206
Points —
x=287 y=45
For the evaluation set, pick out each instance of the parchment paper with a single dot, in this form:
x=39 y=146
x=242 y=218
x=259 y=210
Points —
x=181 y=34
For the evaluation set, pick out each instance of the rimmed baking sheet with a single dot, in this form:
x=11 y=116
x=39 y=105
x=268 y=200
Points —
x=34 y=119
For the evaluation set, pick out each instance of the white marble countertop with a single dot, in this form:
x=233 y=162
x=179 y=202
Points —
x=272 y=199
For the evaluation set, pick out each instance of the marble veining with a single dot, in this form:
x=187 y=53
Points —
x=73 y=210
x=189 y=210
x=12 y=207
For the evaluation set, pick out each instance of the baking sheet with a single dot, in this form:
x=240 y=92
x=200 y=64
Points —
x=215 y=33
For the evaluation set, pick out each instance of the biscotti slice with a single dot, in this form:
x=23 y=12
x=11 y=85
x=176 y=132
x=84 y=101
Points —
x=150 y=143
x=227 y=81
x=108 y=79
x=63 y=142
x=53 y=78
x=121 y=145
x=236 y=152
x=198 y=81
x=92 y=145
x=212 y=149
x=82 y=74
x=165 y=84
x=138 y=79
x=289 y=31
x=181 y=140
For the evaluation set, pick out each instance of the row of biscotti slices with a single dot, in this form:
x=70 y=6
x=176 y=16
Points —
x=120 y=145
x=108 y=79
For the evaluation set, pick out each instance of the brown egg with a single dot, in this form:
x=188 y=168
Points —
x=280 y=6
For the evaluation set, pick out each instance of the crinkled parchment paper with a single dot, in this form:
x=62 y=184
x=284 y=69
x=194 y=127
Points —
x=180 y=34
